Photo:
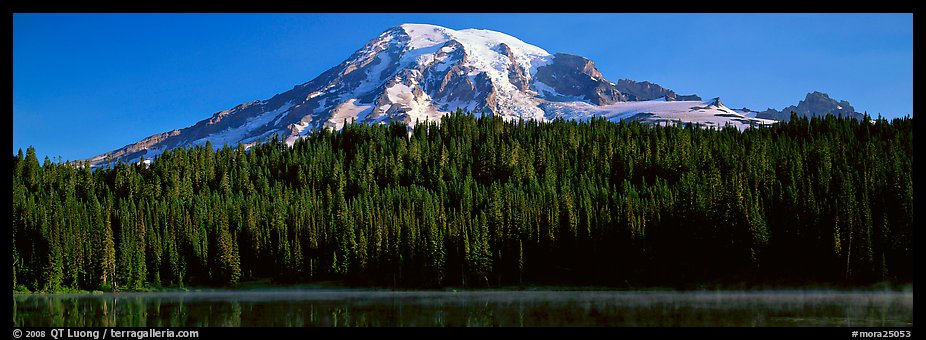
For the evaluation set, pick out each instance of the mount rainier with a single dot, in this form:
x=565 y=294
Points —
x=416 y=73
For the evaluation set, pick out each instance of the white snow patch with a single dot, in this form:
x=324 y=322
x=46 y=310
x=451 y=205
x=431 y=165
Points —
x=285 y=113
x=425 y=35
x=300 y=130
x=350 y=110
x=402 y=100
x=419 y=55
x=374 y=77
x=399 y=94
x=313 y=95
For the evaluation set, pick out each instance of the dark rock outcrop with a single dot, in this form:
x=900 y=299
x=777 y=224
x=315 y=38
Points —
x=644 y=90
x=517 y=76
x=575 y=76
x=815 y=104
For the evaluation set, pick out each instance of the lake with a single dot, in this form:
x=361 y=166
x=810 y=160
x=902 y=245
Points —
x=346 y=307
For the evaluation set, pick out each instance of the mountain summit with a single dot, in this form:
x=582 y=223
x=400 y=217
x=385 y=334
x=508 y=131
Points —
x=415 y=73
x=814 y=104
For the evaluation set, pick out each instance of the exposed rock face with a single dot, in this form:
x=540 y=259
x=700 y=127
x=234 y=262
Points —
x=644 y=90
x=575 y=76
x=517 y=76
x=133 y=150
x=815 y=104
x=688 y=97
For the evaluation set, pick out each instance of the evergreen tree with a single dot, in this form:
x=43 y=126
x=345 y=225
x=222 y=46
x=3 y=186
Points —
x=482 y=202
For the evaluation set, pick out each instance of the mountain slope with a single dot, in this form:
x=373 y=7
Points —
x=415 y=73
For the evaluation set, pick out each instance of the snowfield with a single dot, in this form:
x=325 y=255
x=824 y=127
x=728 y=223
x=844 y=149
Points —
x=706 y=113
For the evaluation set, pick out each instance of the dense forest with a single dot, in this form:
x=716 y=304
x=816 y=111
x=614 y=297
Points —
x=480 y=202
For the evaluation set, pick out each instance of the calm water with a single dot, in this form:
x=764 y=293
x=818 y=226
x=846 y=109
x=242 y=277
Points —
x=472 y=308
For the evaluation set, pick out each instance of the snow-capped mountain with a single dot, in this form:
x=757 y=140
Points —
x=415 y=73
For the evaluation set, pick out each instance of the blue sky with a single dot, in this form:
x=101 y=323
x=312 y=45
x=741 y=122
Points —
x=84 y=84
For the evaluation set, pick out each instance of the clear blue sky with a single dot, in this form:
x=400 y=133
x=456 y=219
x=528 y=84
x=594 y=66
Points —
x=84 y=84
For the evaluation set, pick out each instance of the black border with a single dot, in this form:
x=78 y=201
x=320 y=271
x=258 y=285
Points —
x=545 y=332
x=464 y=6
x=416 y=6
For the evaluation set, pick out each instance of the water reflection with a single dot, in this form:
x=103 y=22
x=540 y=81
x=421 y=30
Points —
x=345 y=308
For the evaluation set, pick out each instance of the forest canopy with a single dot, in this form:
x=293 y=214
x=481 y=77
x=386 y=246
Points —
x=480 y=202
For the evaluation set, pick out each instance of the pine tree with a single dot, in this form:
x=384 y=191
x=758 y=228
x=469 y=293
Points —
x=108 y=250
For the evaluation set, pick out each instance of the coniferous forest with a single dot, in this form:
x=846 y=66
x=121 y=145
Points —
x=479 y=202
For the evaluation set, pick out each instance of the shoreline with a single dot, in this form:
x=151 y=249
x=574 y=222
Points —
x=259 y=286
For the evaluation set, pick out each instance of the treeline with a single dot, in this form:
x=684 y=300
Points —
x=479 y=202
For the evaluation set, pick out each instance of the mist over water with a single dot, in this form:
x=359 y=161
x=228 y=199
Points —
x=337 y=308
